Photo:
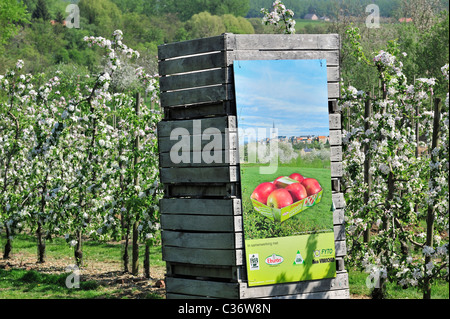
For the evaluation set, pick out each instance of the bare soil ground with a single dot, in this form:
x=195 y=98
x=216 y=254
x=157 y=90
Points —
x=109 y=275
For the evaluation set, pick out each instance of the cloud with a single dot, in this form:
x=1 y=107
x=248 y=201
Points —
x=295 y=95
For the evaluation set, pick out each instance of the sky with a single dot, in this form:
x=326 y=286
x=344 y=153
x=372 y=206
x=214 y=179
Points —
x=293 y=94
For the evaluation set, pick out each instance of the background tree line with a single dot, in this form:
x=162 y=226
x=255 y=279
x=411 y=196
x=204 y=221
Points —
x=34 y=31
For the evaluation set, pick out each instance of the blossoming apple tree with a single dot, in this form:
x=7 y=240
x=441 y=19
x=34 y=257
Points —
x=396 y=176
x=77 y=159
x=279 y=17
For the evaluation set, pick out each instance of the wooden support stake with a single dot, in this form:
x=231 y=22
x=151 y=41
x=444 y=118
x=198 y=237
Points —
x=135 y=253
x=430 y=213
x=367 y=163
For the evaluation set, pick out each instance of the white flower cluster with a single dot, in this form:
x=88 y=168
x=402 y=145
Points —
x=67 y=152
x=401 y=188
x=279 y=14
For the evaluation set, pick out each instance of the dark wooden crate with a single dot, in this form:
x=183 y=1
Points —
x=201 y=215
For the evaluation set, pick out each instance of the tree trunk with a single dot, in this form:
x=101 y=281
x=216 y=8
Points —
x=430 y=212
x=8 y=246
x=367 y=163
x=135 y=251
x=39 y=234
x=125 y=257
x=78 y=250
x=41 y=243
x=147 y=261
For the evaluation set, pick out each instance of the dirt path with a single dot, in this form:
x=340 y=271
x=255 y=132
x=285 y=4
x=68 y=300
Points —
x=107 y=274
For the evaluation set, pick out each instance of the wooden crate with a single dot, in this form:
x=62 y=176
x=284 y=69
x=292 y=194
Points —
x=201 y=217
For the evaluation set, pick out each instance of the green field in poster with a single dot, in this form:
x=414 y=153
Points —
x=290 y=259
x=316 y=218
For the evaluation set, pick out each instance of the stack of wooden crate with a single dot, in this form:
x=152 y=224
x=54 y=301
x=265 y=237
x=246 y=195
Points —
x=201 y=214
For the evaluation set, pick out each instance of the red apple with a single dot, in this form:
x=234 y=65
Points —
x=297 y=177
x=276 y=179
x=312 y=186
x=297 y=191
x=283 y=181
x=262 y=191
x=279 y=198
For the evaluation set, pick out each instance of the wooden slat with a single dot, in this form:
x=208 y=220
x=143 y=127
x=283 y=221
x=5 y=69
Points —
x=223 y=257
x=209 y=94
x=229 y=157
x=332 y=294
x=181 y=206
x=336 y=153
x=228 y=190
x=333 y=90
x=216 y=77
x=206 y=288
x=193 y=111
x=282 y=42
x=201 y=223
x=341 y=248
x=332 y=57
x=333 y=74
x=339 y=232
x=220 y=174
x=165 y=128
x=191 y=80
x=338 y=217
x=197 y=143
x=192 y=63
x=338 y=200
x=335 y=138
x=231 y=273
x=196 y=46
x=335 y=121
x=340 y=282
x=202 y=240
x=336 y=169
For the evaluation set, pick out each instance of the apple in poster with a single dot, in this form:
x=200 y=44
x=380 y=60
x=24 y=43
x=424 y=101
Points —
x=298 y=177
x=297 y=191
x=279 y=198
x=275 y=181
x=312 y=186
x=262 y=191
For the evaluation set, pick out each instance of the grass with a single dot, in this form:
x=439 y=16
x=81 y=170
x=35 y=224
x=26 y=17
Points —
x=31 y=284
x=100 y=277
x=357 y=283
x=318 y=217
x=93 y=251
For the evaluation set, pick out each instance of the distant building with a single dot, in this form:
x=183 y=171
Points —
x=311 y=16
x=407 y=20
x=322 y=139
x=54 y=22
x=324 y=18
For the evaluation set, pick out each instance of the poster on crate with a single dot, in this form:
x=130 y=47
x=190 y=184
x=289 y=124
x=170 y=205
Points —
x=284 y=156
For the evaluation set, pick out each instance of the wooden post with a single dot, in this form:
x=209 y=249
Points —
x=147 y=261
x=135 y=253
x=430 y=212
x=367 y=162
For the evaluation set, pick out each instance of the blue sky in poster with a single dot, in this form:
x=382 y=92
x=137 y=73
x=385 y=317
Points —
x=293 y=94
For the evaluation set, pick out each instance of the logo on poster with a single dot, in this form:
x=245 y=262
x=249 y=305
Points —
x=274 y=260
x=254 y=262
